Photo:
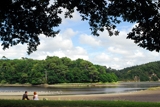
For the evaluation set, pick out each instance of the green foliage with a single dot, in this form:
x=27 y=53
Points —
x=154 y=78
x=55 y=70
x=144 y=72
x=23 y=21
x=22 y=103
x=103 y=78
x=109 y=77
x=3 y=82
x=52 y=70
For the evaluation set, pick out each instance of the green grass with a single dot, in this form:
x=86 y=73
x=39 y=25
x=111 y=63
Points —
x=25 y=103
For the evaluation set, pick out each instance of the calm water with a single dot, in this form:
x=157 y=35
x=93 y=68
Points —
x=123 y=87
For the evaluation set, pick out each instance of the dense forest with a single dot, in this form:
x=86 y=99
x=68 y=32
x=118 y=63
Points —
x=55 y=70
x=145 y=72
x=52 y=70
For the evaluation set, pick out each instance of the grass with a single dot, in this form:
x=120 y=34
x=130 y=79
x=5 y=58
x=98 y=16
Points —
x=31 y=103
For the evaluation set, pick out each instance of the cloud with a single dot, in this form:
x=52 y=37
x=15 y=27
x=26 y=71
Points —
x=89 y=40
x=52 y=44
x=118 y=50
x=14 y=52
x=61 y=46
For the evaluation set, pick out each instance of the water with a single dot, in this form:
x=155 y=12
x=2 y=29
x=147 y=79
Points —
x=123 y=87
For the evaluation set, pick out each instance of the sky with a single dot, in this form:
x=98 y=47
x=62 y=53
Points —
x=75 y=41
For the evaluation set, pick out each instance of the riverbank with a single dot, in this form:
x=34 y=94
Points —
x=68 y=84
x=150 y=95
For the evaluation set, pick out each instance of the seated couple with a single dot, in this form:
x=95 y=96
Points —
x=25 y=96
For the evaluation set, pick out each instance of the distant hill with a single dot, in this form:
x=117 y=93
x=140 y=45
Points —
x=145 y=72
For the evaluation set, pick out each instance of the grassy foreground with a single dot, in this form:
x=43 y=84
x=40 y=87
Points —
x=31 y=103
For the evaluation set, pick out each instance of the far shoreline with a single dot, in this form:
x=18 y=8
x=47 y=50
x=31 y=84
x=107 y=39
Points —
x=67 y=84
x=118 y=83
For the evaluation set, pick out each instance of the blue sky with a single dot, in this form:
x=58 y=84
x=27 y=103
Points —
x=75 y=41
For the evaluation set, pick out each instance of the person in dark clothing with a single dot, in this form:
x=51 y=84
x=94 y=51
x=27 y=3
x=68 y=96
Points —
x=25 y=96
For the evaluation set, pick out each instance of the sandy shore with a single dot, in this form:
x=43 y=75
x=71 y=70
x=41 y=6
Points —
x=142 y=96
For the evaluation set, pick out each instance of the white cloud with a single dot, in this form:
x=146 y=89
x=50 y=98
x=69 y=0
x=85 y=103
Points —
x=14 y=52
x=61 y=41
x=90 y=40
x=68 y=33
x=78 y=52
x=61 y=46
x=117 y=50
x=102 y=58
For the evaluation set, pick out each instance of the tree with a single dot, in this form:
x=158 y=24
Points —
x=37 y=73
x=23 y=21
x=93 y=73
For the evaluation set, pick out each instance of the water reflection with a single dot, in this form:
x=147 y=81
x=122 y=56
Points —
x=123 y=87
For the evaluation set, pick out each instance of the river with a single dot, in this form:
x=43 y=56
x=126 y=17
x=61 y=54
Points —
x=122 y=87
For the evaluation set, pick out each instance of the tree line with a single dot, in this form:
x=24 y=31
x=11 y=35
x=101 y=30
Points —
x=52 y=70
x=144 y=72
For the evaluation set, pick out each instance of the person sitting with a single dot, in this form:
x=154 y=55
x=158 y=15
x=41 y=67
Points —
x=25 y=96
x=35 y=96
